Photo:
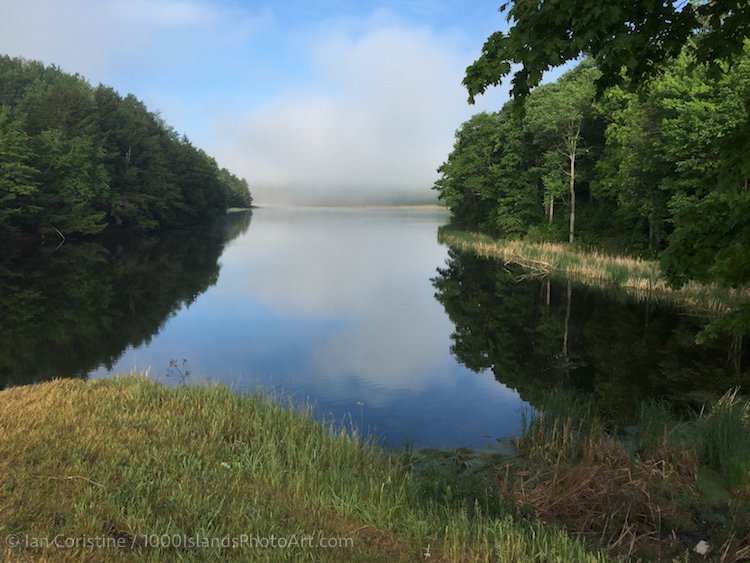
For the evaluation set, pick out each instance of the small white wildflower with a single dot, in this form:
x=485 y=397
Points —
x=702 y=547
x=225 y=465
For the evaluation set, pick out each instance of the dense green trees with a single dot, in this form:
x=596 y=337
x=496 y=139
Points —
x=662 y=171
x=17 y=178
x=508 y=172
x=236 y=189
x=670 y=168
x=484 y=181
x=76 y=159
x=633 y=38
x=555 y=119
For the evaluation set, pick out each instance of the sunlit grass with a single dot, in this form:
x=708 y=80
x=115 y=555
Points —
x=640 y=278
x=128 y=457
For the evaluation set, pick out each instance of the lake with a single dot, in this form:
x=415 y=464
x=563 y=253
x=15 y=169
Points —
x=360 y=312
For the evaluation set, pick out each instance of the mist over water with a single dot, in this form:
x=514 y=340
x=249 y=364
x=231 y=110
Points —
x=337 y=197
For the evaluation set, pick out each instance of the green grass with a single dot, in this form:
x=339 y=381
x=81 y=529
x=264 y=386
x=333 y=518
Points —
x=656 y=424
x=640 y=278
x=127 y=457
x=724 y=438
x=652 y=492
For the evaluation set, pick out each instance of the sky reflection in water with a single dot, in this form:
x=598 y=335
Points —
x=336 y=306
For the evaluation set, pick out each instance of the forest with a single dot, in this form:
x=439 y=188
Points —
x=79 y=159
x=660 y=170
x=657 y=170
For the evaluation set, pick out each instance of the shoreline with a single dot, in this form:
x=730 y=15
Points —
x=415 y=206
x=641 y=279
x=129 y=460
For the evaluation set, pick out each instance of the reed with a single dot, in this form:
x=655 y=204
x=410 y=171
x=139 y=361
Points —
x=724 y=438
x=641 y=279
x=672 y=482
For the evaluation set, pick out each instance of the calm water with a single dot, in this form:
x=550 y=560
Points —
x=359 y=311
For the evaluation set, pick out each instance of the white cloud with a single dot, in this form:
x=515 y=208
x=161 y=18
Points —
x=358 y=108
x=381 y=116
x=102 y=38
x=161 y=13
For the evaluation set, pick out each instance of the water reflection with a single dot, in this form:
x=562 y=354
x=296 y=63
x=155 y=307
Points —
x=335 y=307
x=66 y=311
x=535 y=334
x=338 y=308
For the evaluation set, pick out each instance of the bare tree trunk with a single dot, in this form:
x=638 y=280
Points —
x=651 y=232
x=551 y=209
x=572 y=194
x=567 y=321
x=735 y=353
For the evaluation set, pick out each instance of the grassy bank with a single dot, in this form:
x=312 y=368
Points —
x=651 y=491
x=640 y=278
x=654 y=490
x=130 y=461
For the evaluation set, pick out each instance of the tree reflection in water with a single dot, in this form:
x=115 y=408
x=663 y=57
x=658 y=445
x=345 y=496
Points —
x=533 y=334
x=66 y=311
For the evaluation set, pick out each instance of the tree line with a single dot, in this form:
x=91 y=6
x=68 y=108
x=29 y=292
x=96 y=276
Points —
x=78 y=159
x=660 y=169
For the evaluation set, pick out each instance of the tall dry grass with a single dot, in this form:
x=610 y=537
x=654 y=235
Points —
x=674 y=482
x=640 y=278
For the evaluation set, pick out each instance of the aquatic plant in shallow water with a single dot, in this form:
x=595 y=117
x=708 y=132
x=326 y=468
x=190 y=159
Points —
x=724 y=432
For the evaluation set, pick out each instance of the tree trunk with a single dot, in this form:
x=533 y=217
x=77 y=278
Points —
x=551 y=209
x=572 y=157
x=651 y=232
x=567 y=320
x=735 y=353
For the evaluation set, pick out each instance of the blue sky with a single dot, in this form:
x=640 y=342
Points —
x=308 y=100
